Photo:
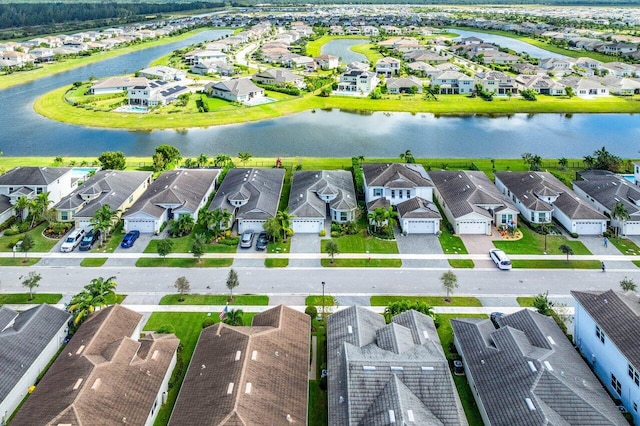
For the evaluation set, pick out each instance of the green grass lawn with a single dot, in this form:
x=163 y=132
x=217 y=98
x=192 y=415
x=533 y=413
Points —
x=20 y=260
x=22 y=298
x=115 y=238
x=276 y=262
x=445 y=332
x=183 y=245
x=360 y=243
x=41 y=243
x=279 y=246
x=93 y=262
x=316 y=300
x=533 y=243
x=555 y=264
x=368 y=50
x=525 y=301
x=626 y=246
x=461 y=263
x=429 y=300
x=153 y=262
x=314 y=47
x=361 y=263
x=215 y=299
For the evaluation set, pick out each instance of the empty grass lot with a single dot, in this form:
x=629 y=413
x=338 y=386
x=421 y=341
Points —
x=215 y=299
x=316 y=300
x=533 y=243
x=360 y=243
x=276 y=262
x=148 y=262
x=22 y=298
x=429 y=300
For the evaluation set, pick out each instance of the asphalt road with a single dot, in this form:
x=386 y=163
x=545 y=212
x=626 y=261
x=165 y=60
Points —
x=303 y=281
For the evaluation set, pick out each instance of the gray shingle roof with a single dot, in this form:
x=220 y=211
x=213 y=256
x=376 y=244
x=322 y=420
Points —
x=5 y=203
x=464 y=191
x=618 y=315
x=528 y=373
x=418 y=208
x=23 y=337
x=395 y=175
x=307 y=186
x=374 y=368
x=262 y=188
x=33 y=176
x=109 y=187
x=236 y=86
x=182 y=187
x=608 y=189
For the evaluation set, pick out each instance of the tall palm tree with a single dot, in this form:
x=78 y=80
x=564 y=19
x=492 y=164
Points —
x=221 y=160
x=94 y=296
x=22 y=204
x=244 y=157
x=285 y=222
x=620 y=214
x=103 y=219
x=234 y=317
x=39 y=207
x=203 y=160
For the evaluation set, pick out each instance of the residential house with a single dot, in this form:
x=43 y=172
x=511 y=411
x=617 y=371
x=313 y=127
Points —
x=404 y=85
x=278 y=77
x=471 y=202
x=382 y=374
x=357 y=82
x=327 y=62
x=176 y=193
x=423 y=55
x=541 y=197
x=256 y=374
x=213 y=67
x=499 y=58
x=620 y=69
x=557 y=66
x=28 y=342
x=524 y=371
x=453 y=83
x=250 y=195
x=42 y=54
x=620 y=48
x=11 y=59
x=603 y=190
x=197 y=56
x=588 y=65
x=336 y=30
x=585 y=87
x=116 y=85
x=115 y=188
x=621 y=86
x=161 y=72
x=314 y=194
x=388 y=66
x=361 y=66
x=370 y=31
x=423 y=69
x=408 y=188
x=496 y=82
x=606 y=325
x=236 y=90
x=542 y=84
x=155 y=93
x=106 y=364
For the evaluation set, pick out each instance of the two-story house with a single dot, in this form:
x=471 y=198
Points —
x=496 y=82
x=453 y=83
x=388 y=66
x=357 y=82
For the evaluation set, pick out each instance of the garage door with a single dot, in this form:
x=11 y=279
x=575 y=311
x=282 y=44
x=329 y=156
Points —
x=250 y=225
x=472 y=227
x=588 y=228
x=306 y=226
x=144 y=226
x=420 y=227
x=632 y=228
x=84 y=224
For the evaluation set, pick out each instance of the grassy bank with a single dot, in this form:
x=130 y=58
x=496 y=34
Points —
x=314 y=47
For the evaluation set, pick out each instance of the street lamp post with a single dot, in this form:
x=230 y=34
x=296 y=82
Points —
x=323 y=284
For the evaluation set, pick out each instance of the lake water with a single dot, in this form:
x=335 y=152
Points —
x=319 y=133
x=508 y=42
x=342 y=49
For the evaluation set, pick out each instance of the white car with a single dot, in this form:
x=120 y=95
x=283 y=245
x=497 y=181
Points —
x=72 y=241
x=500 y=259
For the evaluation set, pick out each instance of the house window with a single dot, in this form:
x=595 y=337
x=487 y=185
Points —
x=377 y=192
x=343 y=216
x=599 y=334
x=408 y=193
x=64 y=216
x=542 y=217
x=38 y=190
x=615 y=384
x=633 y=373
x=533 y=216
x=635 y=406
x=393 y=193
x=400 y=193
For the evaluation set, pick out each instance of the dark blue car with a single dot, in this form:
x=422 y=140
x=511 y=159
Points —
x=129 y=239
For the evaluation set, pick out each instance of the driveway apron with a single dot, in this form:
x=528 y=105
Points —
x=420 y=244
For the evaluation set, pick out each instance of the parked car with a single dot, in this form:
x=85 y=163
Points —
x=262 y=241
x=500 y=259
x=246 y=241
x=129 y=239
x=72 y=241
x=89 y=240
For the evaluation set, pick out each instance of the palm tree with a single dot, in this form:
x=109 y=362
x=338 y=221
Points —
x=407 y=156
x=102 y=220
x=244 y=157
x=202 y=160
x=332 y=249
x=285 y=222
x=94 y=296
x=620 y=214
x=234 y=317
x=22 y=204
x=565 y=249
x=221 y=160
x=39 y=207
x=563 y=162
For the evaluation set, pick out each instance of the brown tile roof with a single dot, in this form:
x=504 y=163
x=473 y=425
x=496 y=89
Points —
x=255 y=375
x=102 y=366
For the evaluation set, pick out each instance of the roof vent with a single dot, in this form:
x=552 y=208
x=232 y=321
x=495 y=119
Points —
x=81 y=348
x=550 y=339
x=425 y=334
x=410 y=416
x=238 y=354
x=532 y=367
x=247 y=388
x=230 y=388
x=96 y=384
x=424 y=369
x=341 y=400
x=396 y=368
x=548 y=365
x=349 y=329
x=392 y=416
x=78 y=383
x=530 y=404
x=254 y=355
x=369 y=367
x=289 y=418
x=155 y=355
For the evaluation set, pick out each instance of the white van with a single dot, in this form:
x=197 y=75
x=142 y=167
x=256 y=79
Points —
x=500 y=259
x=72 y=241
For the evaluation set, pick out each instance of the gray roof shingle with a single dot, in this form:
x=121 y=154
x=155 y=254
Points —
x=395 y=175
x=418 y=208
x=33 y=176
x=308 y=186
x=608 y=189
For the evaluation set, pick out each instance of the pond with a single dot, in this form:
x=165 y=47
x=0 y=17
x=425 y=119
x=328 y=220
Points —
x=342 y=48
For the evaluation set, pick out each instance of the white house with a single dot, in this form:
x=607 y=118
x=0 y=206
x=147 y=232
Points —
x=606 y=325
x=388 y=66
x=453 y=83
x=173 y=194
x=585 y=87
x=161 y=72
x=236 y=90
x=357 y=82
x=156 y=93
x=28 y=342
x=327 y=62
x=116 y=85
x=496 y=82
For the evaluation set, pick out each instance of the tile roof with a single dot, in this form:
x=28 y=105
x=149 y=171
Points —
x=260 y=187
x=618 y=314
x=256 y=375
x=465 y=191
x=418 y=208
x=609 y=189
x=527 y=373
x=180 y=188
x=395 y=175
x=23 y=337
x=375 y=368
x=32 y=176
x=102 y=366
x=308 y=186
x=105 y=187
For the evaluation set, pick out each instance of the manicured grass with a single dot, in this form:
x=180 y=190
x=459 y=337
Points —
x=314 y=47
x=525 y=302
x=451 y=244
x=93 y=262
x=626 y=246
x=360 y=243
x=115 y=238
x=637 y=263
x=183 y=245
x=20 y=260
x=215 y=299
x=555 y=264
x=461 y=263
x=279 y=246
x=533 y=243
x=115 y=299
x=316 y=300
x=147 y=262
x=23 y=298
x=445 y=333
x=429 y=300
x=276 y=262
x=361 y=263
x=368 y=50
x=40 y=242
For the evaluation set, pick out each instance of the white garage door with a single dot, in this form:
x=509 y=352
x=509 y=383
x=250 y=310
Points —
x=417 y=226
x=250 y=225
x=472 y=227
x=588 y=228
x=632 y=228
x=306 y=226
x=84 y=224
x=144 y=226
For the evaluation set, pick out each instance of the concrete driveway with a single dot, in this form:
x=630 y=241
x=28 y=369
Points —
x=305 y=243
x=138 y=247
x=595 y=244
x=420 y=244
x=479 y=244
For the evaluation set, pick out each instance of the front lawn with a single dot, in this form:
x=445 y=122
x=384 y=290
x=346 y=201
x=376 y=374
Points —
x=533 y=243
x=360 y=243
x=23 y=298
x=429 y=300
x=279 y=262
x=40 y=242
x=361 y=263
x=93 y=262
x=183 y=245
x=461 y=263
x=316 y=300
x=626 y=246
x=115 y=238
x=555 y=264
x=525 y=301
x=215 y=299
x=19 y=260
x=182 y=262
x=279 y=246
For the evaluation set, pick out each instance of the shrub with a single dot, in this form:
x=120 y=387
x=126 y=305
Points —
x=208 y=322
x=312 y=311
x=23 y=226
x=166 y=329
x=335 y=234
x=13 y=230
x=229 y=241
x=323 y=233
x=335 y=227
x=574 y=235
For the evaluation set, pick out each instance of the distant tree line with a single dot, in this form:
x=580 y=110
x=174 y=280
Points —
x=244 y=3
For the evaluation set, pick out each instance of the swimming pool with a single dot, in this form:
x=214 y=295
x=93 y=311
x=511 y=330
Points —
x=82 y=172
x=630 y=178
